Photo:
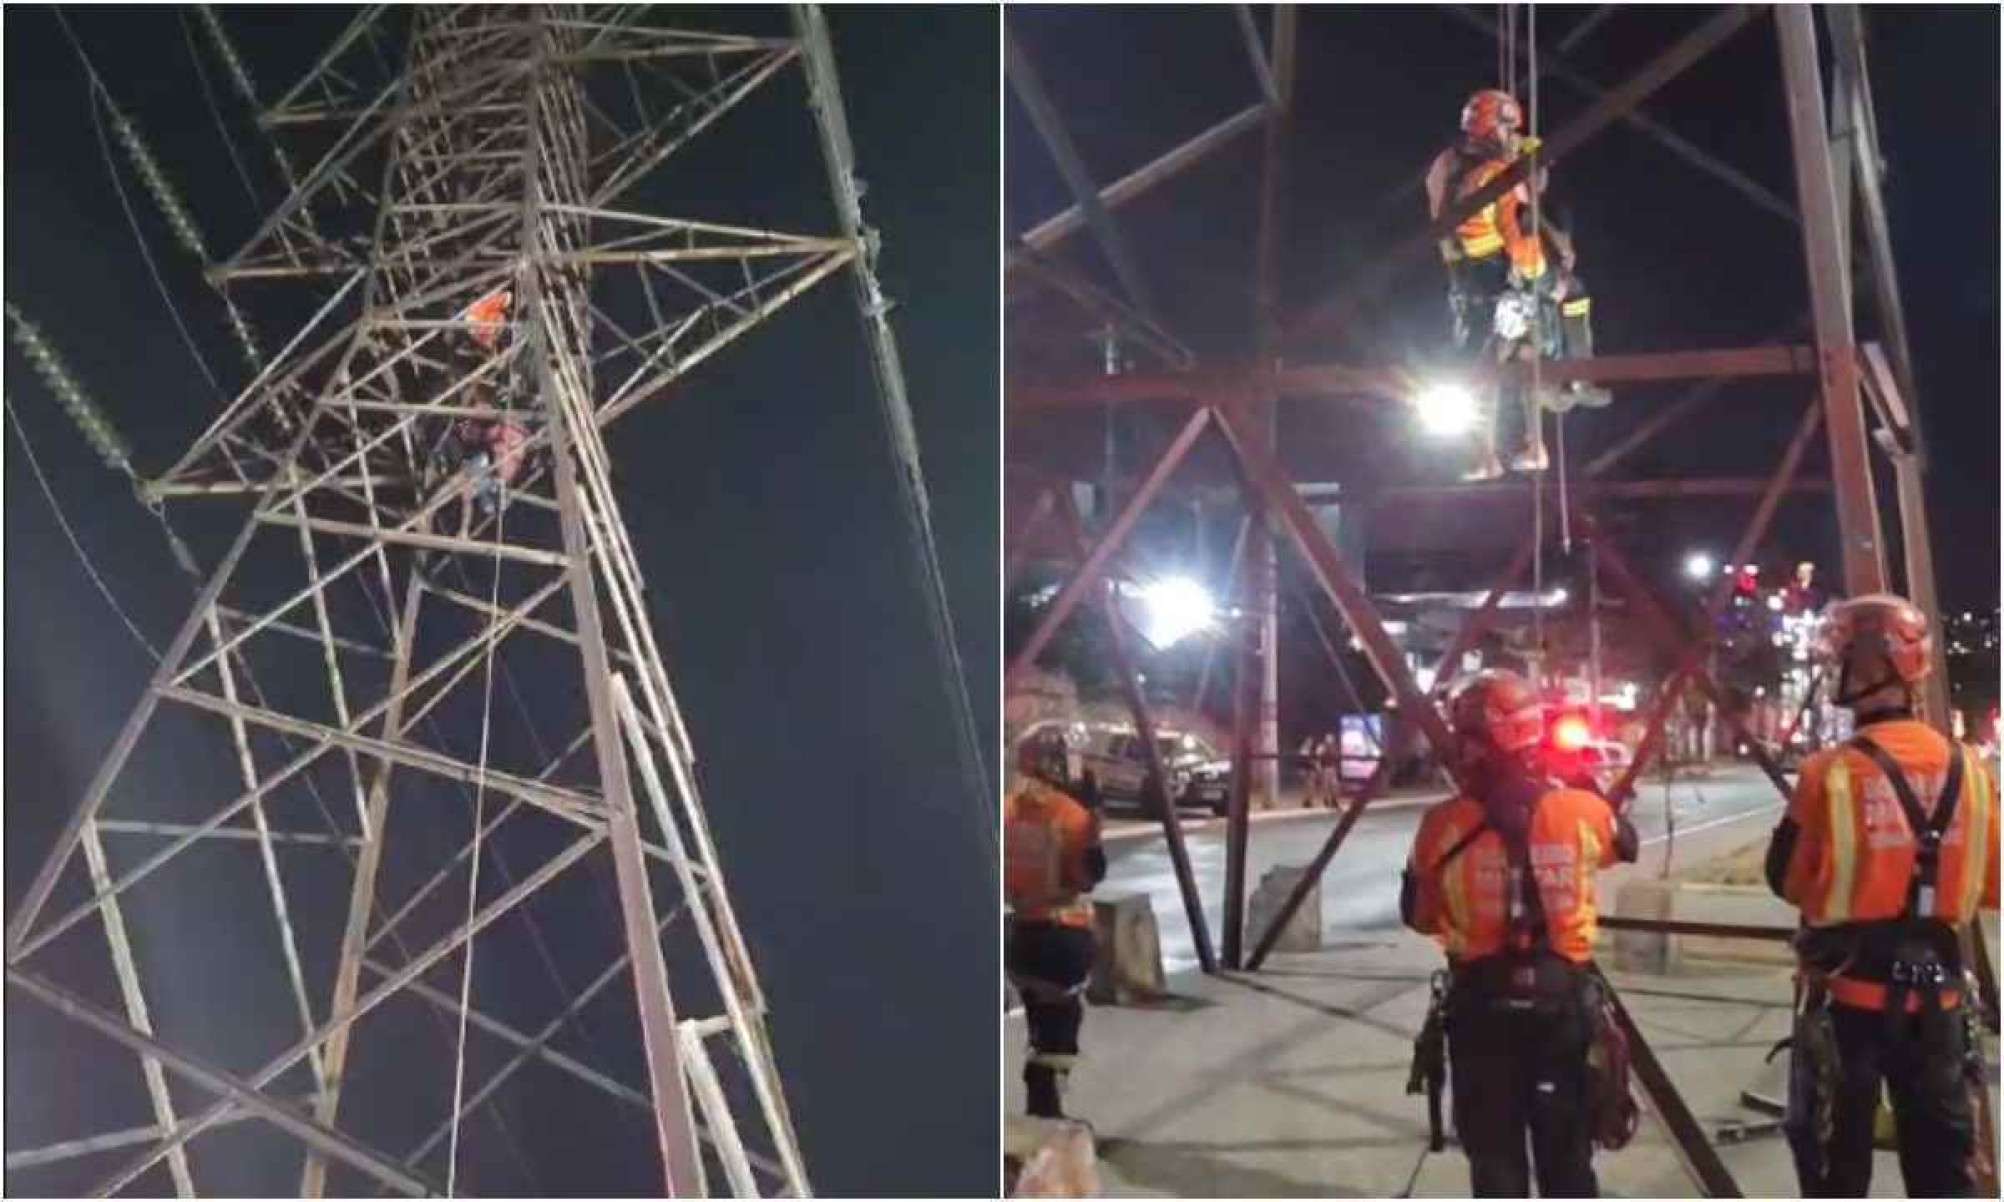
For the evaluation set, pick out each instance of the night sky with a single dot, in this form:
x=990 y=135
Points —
x=1675 y=258
x=764 y=510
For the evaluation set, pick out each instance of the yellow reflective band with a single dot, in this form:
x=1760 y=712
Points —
x=1454 y=897
x=1843 y=843
x=1576 y=308
x=1976 y=835
x=1589 y=850
x=1057 y=1060
x=1484 y=246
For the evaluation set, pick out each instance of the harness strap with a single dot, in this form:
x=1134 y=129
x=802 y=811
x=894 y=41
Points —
x=1925 y=975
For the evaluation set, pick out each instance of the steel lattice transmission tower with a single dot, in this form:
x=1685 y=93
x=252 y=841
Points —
x=434 y=525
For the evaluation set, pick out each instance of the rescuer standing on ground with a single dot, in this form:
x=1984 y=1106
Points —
x=1889 y=847
x=1053 y=855
x=1497 y=270
x=1502 y=876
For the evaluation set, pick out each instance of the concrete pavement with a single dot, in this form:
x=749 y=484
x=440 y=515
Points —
x=1291 y=1082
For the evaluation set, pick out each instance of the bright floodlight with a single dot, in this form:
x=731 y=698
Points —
x=1174 y=608
x=1698 y=565
x=1445 y=410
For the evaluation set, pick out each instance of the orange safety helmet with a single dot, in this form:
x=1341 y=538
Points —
x=1044 y=756
x=1488 y=112
x=1497 y=709
x=1877 y=628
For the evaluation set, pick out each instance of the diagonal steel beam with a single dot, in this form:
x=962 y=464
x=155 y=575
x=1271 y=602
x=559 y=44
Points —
x=1029 y=89
x=1830 y=298
x=1095 y=562
x=1556 y=66
x=1144 y=726
x=236 y=1092
x=340 y=1020
x=1368 y=280
x=1263 y=70
x=1056 y=229
x=1390 y=754
x=1750 y=537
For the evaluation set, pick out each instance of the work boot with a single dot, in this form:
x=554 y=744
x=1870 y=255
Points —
x=1488 y=467
x=1044 y=1086
x=1557 y=400
x=1592 y=396
x=1531 y=459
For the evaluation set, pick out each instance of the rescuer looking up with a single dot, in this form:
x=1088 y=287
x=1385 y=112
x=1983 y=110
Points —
x=1889 y=847
x=1502 y=876
x=1053 y=858
x=1498 y=274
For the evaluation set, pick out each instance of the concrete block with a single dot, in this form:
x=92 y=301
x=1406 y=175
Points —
x=1303 y=932
x=1645 y=951
x=1128 y=967
x=1049 y=1158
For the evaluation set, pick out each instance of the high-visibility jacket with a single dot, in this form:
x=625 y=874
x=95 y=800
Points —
x=1464 y=904
x=1854 y=854
x=1046 y=837
x=1501 y=226
x=487 y=315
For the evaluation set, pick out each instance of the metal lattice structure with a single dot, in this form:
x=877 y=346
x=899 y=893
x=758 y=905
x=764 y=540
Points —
x=433 y=519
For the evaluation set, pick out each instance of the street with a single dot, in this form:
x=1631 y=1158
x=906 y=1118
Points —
x=1360 y=890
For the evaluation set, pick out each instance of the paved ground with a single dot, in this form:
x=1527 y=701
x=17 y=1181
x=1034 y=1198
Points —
x=1360 y=890
x=1290 y=1083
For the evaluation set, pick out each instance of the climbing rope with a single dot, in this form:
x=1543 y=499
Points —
x=479 y=837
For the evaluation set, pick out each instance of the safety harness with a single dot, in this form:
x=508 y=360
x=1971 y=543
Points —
x=1534 y=978
x=1915 y=953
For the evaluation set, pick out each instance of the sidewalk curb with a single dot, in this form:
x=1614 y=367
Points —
x=1130 y=830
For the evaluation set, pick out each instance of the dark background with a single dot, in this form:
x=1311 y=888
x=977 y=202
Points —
x=763 y=506
x=1675 y=258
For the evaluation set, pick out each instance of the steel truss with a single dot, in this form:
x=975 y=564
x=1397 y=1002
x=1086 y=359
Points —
x=377 y=588
x=1236 y=401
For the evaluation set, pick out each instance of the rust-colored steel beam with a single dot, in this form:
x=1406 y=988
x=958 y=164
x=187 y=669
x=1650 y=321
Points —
x=1369 y=280
x=1823 y=244
x=1284 y=504
x=1699 y=1158
x=1723 y=930
x=1606 y=490
x=1343 y=379
x=1668 y=635
x=1095 y=561
x=1390 y=753
x=1756 y=529
x=1049 y=233
x=1144 y=726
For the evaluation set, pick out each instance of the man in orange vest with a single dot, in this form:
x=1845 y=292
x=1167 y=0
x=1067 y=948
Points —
x=1053 y=858
x=1889 y=848
x=1498 y=274
x=1502 y=877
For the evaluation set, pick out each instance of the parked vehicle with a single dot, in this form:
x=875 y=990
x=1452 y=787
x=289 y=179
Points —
x=1198 y=776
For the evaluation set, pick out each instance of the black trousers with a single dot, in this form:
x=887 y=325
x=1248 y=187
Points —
x=1521 y=1096
x=1048 y=963
x=1921 y=1065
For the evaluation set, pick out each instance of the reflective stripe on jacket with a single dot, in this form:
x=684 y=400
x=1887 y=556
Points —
x=1854 y=854
x=1465 y=906
x=1045 y=837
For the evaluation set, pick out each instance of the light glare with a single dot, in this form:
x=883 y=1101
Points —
x=1445 y=410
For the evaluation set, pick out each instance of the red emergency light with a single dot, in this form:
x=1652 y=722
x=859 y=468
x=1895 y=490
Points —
x=1571 y=732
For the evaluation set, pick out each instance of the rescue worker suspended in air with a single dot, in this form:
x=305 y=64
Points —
x=1053 y=858
x=1502 y=876
x=1506 y=301
x=1889 y=848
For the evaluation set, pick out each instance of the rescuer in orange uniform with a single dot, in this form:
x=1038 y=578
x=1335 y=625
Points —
x=1888 y=848
x=1498 y=273
x=1502 y=877
x=1053 y=858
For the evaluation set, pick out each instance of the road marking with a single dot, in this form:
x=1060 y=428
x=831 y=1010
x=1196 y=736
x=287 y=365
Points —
x=1705 y=826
